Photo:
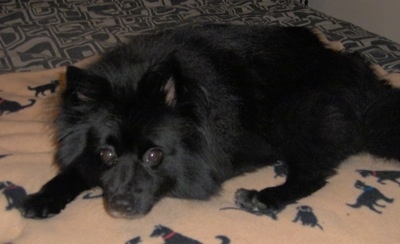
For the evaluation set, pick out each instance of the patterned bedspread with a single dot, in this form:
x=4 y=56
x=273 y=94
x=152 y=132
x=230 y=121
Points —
x=45 y=34
x=359 y=205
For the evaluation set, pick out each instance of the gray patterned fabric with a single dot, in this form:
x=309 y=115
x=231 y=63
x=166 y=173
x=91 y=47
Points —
x=39 y=34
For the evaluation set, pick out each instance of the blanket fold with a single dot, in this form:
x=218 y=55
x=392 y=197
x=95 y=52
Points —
x=336 y=214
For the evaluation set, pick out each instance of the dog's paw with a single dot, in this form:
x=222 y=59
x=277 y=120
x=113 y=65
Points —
x=247 y=199
x=250 y=201
x=39 y=206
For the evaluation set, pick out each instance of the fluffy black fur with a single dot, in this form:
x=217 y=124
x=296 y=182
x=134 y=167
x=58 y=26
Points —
x=179 y=112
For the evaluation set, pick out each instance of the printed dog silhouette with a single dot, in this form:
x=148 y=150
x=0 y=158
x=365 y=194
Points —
x=14 y=194
x=369 y=197
x=172 y=237
x=306 y=216
x=381 y=175
x=43 y=88
x=135 y=240
x=12 y=106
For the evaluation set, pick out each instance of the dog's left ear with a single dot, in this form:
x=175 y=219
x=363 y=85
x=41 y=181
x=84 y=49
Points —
x=84 y=87
x=160 y=83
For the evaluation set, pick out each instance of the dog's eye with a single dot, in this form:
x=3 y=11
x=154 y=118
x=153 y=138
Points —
x=108 y=155
x=153 y=156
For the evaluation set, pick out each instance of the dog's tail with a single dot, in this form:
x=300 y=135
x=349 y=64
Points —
x=224 y=239
x=33 y=101
x=319 y=226
x=4 y=155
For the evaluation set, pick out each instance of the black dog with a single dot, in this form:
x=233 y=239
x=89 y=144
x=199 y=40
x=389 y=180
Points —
x=369 y=197
x=381 y=175
x=171 y=236
x=46 y=87
x=179 y=112
x=306 y=216
x=14 y=194
x=12 y=106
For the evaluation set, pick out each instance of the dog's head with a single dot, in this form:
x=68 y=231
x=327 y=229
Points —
x=136 y=135
x=5 y=184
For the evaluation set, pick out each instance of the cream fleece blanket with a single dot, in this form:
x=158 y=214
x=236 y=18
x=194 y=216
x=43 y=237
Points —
x=339 y=213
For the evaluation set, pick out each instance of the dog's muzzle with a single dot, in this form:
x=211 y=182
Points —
x=121 y=206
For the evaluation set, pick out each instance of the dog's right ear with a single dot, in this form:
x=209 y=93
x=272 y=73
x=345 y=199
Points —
x=84 y=86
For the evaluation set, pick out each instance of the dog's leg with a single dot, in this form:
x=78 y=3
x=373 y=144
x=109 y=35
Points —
x=396 y=181
x=10 y=202
x=54 y=195
x=381 y=181
x=277 y=197
x=355 y=205
x=314 y=137
x=371 y=206
x=379 y=205
x=386 y=199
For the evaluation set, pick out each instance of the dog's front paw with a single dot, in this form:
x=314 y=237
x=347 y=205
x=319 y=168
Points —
x=39 y=206
x=247 y=199
x=251 y=200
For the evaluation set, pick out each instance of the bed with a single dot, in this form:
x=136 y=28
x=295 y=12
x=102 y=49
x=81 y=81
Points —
x=38 y=39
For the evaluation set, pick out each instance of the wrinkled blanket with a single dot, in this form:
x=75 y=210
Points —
x=359 y=205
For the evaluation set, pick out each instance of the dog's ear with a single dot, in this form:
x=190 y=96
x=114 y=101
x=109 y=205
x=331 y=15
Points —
x=160 y=83
x=170 y=92
x=84 y=86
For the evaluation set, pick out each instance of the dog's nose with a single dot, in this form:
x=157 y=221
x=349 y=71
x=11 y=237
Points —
x=122 y=204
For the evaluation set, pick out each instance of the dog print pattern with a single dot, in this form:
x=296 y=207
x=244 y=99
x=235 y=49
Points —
x=52 y=86
x=14 y=194
x=8 y=106
x=369 y=197
x=381 y=176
